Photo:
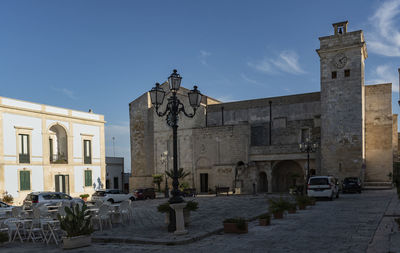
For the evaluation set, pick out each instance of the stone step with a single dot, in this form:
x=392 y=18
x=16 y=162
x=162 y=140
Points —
x=377 y=185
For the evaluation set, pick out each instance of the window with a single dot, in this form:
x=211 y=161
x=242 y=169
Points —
x=260 y=135
x=88 y=178
x=24 y=148
x=305 y=134
x=346 y=72
x=115 y=182
x=24 y=180
x=334 y=74
x=87 y=151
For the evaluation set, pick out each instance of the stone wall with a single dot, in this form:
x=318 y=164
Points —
x=379 y=132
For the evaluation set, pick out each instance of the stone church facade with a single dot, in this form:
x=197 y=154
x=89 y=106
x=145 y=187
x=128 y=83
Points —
x=256 y=142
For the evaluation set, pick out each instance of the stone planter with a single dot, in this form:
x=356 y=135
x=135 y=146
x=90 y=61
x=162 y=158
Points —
x=186 y=217
x=76 y=242
x=264 y=222
x=232 y=228
x=278 y=215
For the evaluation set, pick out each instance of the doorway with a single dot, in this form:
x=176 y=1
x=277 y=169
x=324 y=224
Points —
x=262 y=182
x=203 y=182
x=62 y=183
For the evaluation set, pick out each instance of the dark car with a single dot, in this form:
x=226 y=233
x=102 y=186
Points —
x=351 y=184
x=145 y=193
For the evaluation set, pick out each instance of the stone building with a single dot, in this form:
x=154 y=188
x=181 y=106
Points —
x=116 y=178
x=256 y=142
x=47 y=148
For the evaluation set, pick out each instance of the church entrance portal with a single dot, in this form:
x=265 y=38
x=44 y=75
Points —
x=262 y=182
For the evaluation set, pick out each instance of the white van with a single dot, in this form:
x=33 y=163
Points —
x=323 y=186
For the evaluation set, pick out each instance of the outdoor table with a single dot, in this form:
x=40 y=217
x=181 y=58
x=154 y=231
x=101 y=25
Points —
x=51 y=224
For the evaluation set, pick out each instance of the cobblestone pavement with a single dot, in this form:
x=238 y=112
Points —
x=347 y=224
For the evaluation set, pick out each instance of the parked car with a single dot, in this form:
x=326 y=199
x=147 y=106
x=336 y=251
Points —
x=48 y=199
x=145 y=193
x=323 y=186
x=351 y=184
x=4 y=208
x=112 y=196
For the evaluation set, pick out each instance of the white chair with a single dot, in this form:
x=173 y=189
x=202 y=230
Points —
x=14 y=227
x=16 y=212
x=98 y=204
x=36 y=231
x=103 y=214
x=124 y=211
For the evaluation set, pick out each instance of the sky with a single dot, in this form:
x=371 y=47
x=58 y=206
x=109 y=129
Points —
x=103 y=54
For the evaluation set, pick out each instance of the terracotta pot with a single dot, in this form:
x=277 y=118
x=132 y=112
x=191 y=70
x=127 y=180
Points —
x=264 y=222
x=232 y=228
x=278 y=215
x=76 y=242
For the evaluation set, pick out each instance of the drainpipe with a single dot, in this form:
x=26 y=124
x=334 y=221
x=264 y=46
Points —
x=270 y=123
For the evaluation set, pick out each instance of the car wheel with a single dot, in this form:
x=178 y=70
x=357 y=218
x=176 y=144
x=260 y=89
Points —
x=132 y=198
x=331 y=198
x=359 y=191
x=337 y=195
x=111 y=201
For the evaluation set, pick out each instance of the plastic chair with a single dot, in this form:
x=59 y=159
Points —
x=14 y=227
x=103 y=214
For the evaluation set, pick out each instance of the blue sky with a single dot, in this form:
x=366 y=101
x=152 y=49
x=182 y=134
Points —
x=103 y=54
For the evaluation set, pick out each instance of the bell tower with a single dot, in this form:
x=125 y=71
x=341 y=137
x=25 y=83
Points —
x=342 y=58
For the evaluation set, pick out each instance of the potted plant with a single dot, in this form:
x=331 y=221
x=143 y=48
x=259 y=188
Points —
x=235 y=225
x=164 y=208
x=190 y=206
x=264 y=219
x=8 y=198
x=84 y=197
x=292 y=207
x=302 y=201
x=76 y=224
x=312 y=201
x=278 y=206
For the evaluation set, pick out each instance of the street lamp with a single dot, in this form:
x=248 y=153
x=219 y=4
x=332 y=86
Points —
x=164 y=159
x=172 y=110
x=308 y=146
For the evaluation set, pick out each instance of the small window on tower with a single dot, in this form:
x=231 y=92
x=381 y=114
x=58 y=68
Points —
x=346 y=72
x=334 y=74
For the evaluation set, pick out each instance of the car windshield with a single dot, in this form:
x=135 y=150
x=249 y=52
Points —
x=350 y=180
x=99 y=193
x=319 y=181
x=31 y=197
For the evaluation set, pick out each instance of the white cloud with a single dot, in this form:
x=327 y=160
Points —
x=204 y=56
x=384 y=37
x=385 y=74
x=225 y=98
x=249 y=80
x=287 y=61
x=66 y=92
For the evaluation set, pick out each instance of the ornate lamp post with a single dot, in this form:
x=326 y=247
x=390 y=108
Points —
x=308 y=146
x=172 y=110
x=164 y=159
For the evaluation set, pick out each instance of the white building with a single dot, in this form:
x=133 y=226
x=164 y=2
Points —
x=46 y=148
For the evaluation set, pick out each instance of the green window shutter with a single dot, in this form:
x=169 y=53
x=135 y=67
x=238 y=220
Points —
x=25 y=180
x=87 y=151
x=88 y=178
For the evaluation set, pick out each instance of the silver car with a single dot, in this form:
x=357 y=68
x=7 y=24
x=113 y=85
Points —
x=48 y=199
x=4 y=209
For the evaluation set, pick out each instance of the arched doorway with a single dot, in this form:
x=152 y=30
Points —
x=58 y=144
x=262 y=182
x=285 y=175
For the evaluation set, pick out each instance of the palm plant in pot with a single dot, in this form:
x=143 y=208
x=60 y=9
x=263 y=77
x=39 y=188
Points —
x=278 y=206
x=302 y=201
x=292 y=207
x=235 y=225
x=264 y=219
x=76 y=224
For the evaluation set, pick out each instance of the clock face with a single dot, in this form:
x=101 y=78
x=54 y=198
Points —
x=340 y=60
